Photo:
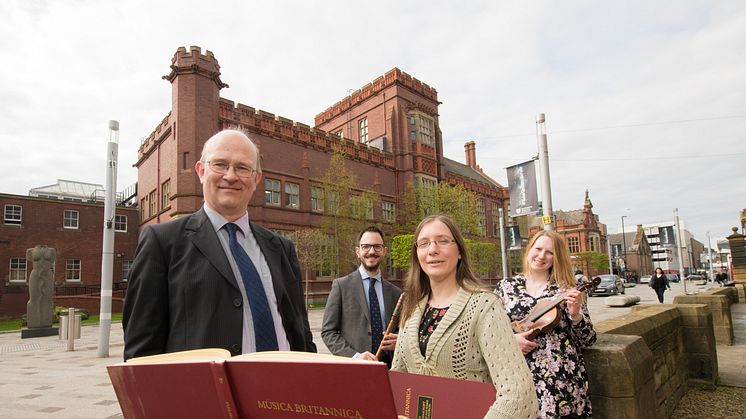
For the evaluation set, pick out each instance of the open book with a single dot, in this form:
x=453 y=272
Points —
x=208 y=383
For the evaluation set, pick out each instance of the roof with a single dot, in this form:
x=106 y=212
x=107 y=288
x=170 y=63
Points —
x=616 y=238
x=68 y=189
x=461 y=169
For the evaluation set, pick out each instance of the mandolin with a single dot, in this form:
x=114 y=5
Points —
x=545 y=315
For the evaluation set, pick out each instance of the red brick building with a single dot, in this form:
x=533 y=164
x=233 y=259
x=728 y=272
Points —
x=74 y=229
x=388 y=130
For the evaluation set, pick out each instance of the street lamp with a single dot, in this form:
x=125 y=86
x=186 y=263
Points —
x=624 y=245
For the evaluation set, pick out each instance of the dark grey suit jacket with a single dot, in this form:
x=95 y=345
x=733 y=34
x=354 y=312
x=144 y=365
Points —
x=346 y=326
x=182 y=293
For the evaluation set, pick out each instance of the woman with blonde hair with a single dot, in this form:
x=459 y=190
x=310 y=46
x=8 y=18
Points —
x=452 y=326
x=554 y=357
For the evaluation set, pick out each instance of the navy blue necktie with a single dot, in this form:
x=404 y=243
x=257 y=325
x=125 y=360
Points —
x=264 y=326
x=376 y=325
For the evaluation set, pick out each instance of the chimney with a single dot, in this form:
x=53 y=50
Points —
x=471 y=155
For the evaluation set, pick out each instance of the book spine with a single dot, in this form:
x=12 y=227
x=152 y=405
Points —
x=223 y=389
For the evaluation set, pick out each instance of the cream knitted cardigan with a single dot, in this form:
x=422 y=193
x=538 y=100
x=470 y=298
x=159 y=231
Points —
x=473 y=341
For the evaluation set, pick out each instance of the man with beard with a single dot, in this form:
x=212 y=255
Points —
x=360 y=305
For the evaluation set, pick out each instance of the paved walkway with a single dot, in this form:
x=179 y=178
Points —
x=40 y=379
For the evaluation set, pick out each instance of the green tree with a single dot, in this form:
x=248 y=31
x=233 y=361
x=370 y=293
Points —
x=401 y=246
x=310 y=247
x=420 y=200
x=483 y=257
x=591 y=262
x=345 y=213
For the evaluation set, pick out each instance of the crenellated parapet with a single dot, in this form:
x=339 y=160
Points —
x=193 y=61
x=393 y=76
x=159 y=133
x=267 y=124
x=478 y=187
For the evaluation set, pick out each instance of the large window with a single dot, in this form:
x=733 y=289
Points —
x=13 y=214
x=317 y=199
x=421 y=129
x=388 y=210
x=166 y=194
x=70 y=219
x=595 y=243
x=574 y=244
x=126 y=267
x=481 y=217
x=495 y=220
x=292 y=195
x=72 y=270
x=363 y=130
x=120 y=223
x=272 y=192
x=333 y=202
x=143 y=205
x=153 y=204
x=17 y=270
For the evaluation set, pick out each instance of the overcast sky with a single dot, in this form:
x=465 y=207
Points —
x=645 y=100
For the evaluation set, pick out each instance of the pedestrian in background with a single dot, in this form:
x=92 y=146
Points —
x=659 y=283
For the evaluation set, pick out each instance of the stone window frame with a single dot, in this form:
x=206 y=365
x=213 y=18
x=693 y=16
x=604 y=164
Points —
x=317 y=199
x=292 y=195
x=152 y=204
x=495 y=219
x=73 y=266
x=15 y=267
x=362 y=128
x=166 y=194
x=119 y=225
x=421 y=128
x=71 y=219
x=13 y=214
x=272 y=192
x=573 y=244
x=481 y=210
x=388 y=211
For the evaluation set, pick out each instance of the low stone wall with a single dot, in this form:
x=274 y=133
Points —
x=719 y=307
x=730 y=292
x=660 y=327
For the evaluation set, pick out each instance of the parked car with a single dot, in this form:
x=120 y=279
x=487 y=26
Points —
x=610 y=285
x=645 y=279
x=694 y=277
x=672 y=277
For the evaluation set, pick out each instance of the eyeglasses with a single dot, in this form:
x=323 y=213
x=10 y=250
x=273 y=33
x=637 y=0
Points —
x=442 y=242
x=221 y=167
x=365 y=247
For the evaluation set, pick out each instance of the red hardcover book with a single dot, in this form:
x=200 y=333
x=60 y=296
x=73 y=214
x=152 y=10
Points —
x=427 y=397
x=294 y=384
x=190 y=384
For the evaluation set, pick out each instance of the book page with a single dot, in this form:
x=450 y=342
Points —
x=196 y=355
x=289 y=356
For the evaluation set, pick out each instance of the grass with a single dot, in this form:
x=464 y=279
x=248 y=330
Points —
x=16 y=324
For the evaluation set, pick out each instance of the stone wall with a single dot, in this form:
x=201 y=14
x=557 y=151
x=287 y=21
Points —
x=719 y=307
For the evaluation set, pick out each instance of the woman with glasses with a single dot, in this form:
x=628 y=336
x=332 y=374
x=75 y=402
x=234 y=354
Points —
x=452 y=326
x=554 y=357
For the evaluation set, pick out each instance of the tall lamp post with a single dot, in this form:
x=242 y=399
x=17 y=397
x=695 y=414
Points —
x=624 y=245
x=107 y=254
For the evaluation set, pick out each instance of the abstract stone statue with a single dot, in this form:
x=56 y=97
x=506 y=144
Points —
x=40 y=306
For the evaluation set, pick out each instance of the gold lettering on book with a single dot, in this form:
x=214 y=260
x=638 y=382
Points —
x=337 y=412
x=407 y=399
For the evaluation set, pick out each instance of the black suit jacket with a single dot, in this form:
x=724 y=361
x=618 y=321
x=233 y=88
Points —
x=182 y=293
x=346 y=327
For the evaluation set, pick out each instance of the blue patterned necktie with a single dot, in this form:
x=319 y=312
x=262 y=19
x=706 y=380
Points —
x=264 y=326
x=376 y=325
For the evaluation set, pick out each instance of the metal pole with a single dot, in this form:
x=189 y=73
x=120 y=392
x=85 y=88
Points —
x=503 y=250
x=608 y=253
x=546 y=187
x=624 y=246
x=677 y=234
x=107 y=254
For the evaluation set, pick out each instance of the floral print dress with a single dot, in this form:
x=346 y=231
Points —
x=557 y=363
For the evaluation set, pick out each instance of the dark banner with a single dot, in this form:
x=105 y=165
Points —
x=522 y=186
x=666 y=236
x=514 y=237
x=616 y=250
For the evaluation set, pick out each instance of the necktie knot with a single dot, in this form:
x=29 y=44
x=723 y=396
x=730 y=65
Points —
x=231 y=227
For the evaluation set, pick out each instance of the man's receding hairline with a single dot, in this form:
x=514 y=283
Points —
x=227 y=133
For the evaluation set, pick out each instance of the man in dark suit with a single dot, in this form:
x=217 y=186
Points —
x=353 y=326
x=212 y=278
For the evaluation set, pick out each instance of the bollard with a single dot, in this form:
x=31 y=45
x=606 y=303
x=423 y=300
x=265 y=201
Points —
x=70 y=328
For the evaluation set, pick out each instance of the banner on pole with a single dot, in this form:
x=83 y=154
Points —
x=514 y=237
x=616 y=250
x=522 y=186
x=667 y=237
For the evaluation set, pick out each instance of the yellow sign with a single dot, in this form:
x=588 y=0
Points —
x=546 y=219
